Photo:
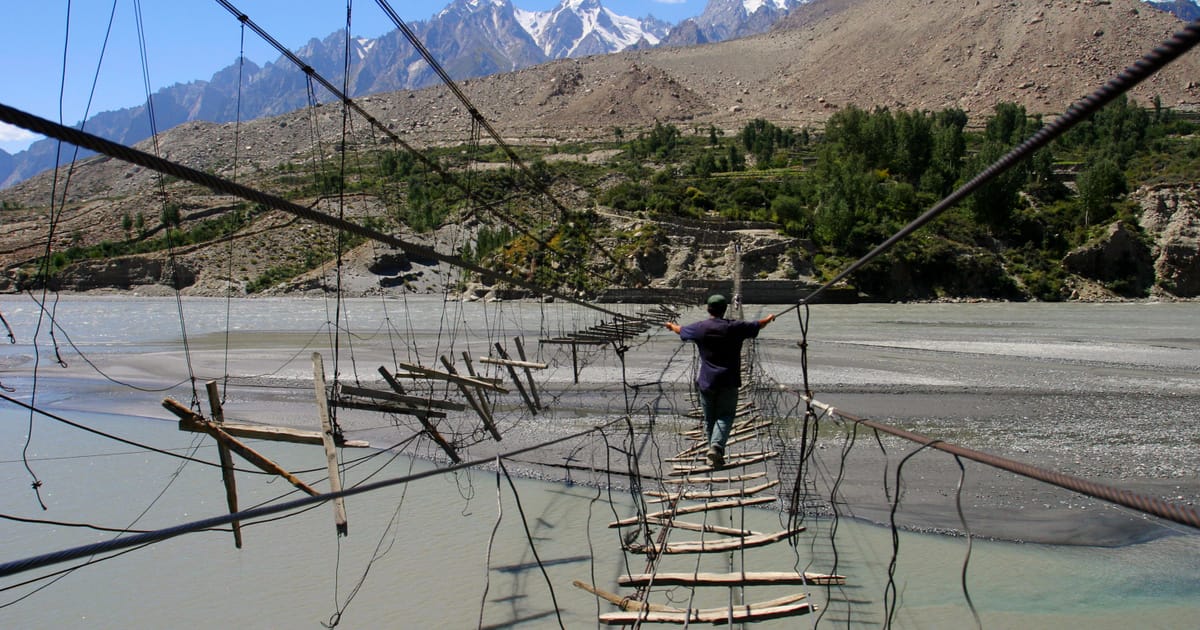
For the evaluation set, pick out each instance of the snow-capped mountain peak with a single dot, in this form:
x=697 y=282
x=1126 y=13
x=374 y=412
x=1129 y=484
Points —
x=577 y=28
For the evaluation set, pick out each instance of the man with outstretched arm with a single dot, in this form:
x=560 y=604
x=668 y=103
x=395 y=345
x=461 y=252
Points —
x=719 y=341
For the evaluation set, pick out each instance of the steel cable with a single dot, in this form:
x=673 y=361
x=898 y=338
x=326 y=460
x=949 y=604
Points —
x=1153 y=61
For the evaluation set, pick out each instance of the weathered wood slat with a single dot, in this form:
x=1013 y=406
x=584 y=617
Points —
x=692 y=458
x=520 y=364
x=327 y=435
x=735 y=462
x=223 y=453
x=749 y=578
x=572 y=342
x=192 y=421
x=517 y=380
x=709 y=494
x=624 y=603
x=424 y=420
x=739 y=614
x=691 y=509
x=710 y=479
x=275 y=434
x=528 y=375
x=698 y=527
x=489 y=384
x=413 y=401
x=713 y=546
x=381 y=407
x=478 y=405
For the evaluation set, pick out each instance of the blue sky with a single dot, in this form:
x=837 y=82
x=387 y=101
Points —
x=185 y=40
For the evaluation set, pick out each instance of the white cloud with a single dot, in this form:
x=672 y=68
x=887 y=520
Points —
x=9 y=133
x=13 y=139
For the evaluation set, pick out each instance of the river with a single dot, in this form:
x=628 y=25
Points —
x=1104 y=391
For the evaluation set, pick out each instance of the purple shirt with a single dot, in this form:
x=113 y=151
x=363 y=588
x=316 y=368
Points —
x=720 y=344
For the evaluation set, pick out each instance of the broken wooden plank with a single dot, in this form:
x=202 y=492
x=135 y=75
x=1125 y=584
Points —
x=275 y=434
x=748 y=578
x=412 y=401
x=528 y=375
x=693 y=495
x=335 y=477
x=489 y=384
x=566 y=341
x=520 y=364
x=624 y=603
x=192 y=421
x=470 y=396
x=227 y=476
x=381 y=407
x=517 y=381
x=698 y=527
x=746 y=613
x=733 y=462
x=429 y=428
x=713 y=546
x=691 y=509
x=483 y=401
x=710 y=479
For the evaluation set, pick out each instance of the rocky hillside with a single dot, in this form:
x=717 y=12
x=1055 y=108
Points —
x=833 y=53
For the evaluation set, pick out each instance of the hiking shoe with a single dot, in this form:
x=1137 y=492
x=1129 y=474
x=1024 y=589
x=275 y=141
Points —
x=715 y=459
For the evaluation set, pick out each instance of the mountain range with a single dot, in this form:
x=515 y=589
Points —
x=470 y=38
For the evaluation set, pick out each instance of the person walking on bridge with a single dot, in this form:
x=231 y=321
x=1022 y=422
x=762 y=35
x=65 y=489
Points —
x=719 y=341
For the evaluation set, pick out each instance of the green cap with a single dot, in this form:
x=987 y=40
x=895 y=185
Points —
x=717 y=300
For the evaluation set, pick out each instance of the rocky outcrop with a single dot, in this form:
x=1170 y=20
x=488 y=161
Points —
x=125 y=273
x=1171 y=215
x=1120 y=259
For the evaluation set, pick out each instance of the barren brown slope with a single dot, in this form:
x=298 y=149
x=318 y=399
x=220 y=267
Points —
x=934 y=54
x=927 y=54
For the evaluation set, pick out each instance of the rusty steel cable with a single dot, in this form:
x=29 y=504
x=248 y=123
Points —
x=52 y=129
x=1153 y=61
x=1127 y=498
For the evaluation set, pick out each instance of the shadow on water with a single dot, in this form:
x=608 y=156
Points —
x=526 y=566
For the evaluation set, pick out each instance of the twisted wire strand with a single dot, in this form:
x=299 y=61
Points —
x=1142 y=503
x=33 y=562
x=51 y=129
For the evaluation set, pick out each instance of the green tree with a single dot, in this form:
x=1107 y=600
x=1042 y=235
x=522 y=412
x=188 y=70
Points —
x=1100 y=184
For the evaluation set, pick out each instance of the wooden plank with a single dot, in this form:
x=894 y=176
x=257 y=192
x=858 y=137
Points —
x=196 y=423
x=710 y=479
x=736 y=436
x=470 y=396
x=692 y=495
x=429 y=428
x=698 y=527
x=528 y=375
x=624 y=603
x=483 y=401
x=749 y=578
x=572 y=342
x=346 y=403
x=415 y=401
x=713 y=546
x=691 y=509
x=750 y=613
x=512 y=372
x=741 y=455
x=274 y=434
x=227 y=476
x=729 y=463
x=520 y=364
x=473 y=382
x=335 y=477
